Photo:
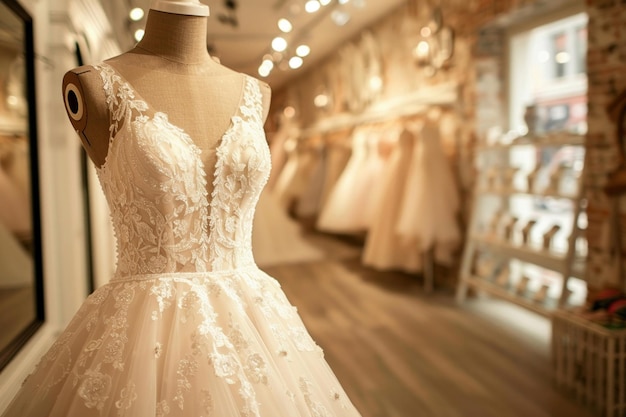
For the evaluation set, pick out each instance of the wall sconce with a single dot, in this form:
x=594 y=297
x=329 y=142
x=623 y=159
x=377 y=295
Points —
x=435 y=46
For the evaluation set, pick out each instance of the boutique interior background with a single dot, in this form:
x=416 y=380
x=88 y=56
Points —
x=21 y=292
x=242 y=33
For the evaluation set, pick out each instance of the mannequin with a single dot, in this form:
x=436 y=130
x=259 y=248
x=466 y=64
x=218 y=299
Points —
x=173 y=71
x=188 y=325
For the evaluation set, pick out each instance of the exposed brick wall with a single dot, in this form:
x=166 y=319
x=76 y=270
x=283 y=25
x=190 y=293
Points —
x=606 y=69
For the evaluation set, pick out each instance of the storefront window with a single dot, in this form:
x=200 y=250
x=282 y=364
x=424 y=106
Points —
x=547 y=76
x=548 y=71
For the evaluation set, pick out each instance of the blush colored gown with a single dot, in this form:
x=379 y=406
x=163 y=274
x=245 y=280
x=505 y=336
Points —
x=189 y=325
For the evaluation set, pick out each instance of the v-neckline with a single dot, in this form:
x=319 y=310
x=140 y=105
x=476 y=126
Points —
x=154 y=113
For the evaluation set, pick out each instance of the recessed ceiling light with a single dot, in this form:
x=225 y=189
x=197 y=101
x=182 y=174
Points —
x=285 y=25
x=279 y=44
x=343 y=1
x=325 y=2
x=264 y=71
x=139 y=34
x=136 y=14
x=303 y=50
x=340 y=17
x=295 y=62
x=268 y=64
x=312 y=6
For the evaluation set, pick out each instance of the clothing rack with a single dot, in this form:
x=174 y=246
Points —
x=412 y=104
x=417 y=102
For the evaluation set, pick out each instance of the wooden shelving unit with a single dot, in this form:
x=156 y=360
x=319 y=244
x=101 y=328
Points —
x=507 y=251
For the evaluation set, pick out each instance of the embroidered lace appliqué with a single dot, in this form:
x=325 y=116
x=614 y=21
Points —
x=188 y=326
x=241 y=171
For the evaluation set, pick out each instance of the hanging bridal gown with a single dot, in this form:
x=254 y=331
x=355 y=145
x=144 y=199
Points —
x=338 y=215
x=429 y=211
x=338 y=155
x=189 y=325
x=383 y=249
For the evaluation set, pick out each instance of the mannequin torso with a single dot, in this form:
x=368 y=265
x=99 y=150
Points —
x=173 y=72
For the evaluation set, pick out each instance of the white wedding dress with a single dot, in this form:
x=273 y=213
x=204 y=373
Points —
x=189 y=325
x=428 y=214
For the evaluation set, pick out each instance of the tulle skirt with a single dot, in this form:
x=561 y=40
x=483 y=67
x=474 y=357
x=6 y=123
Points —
x=383 y=249
x=224 y=344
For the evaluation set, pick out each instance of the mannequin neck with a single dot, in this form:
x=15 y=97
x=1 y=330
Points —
x=176 y=37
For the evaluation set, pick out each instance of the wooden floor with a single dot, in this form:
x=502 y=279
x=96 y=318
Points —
x=401 y=353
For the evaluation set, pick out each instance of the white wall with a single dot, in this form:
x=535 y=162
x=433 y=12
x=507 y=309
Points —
x=64 y=244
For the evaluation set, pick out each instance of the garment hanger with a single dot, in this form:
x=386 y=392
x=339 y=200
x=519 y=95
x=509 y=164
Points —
x=186 y=7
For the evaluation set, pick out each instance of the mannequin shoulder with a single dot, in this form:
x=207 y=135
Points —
x=82 y=91
x=86 y=78
x=87 y=109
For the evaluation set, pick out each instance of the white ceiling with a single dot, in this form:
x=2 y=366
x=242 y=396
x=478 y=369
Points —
x=243 y=47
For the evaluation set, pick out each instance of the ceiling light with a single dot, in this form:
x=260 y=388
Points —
x=268 y=64
x=295 y=62
x=264 y=71
x=279 y=44
x=303 y=50
x=320 y=100
x=325 y=2
x=139 y=34
x=343 y=1
x=425 y=31
x=340 y=17
x=285 y=25
x=312 y=6
x=544 y=56
x=266 y=67
x=136 y=14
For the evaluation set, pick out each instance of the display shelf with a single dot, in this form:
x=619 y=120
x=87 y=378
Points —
x=565 y=139
x=525 y=300
x=506 y=247
x=545 y=259
x=508 y=192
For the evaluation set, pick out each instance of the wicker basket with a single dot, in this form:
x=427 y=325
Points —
x=589 y=363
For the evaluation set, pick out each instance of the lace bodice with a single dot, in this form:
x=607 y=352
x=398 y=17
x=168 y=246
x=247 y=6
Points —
x=156 y=186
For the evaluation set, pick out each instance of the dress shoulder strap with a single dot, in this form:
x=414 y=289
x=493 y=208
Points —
x=121 y=98
x=252 y=106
